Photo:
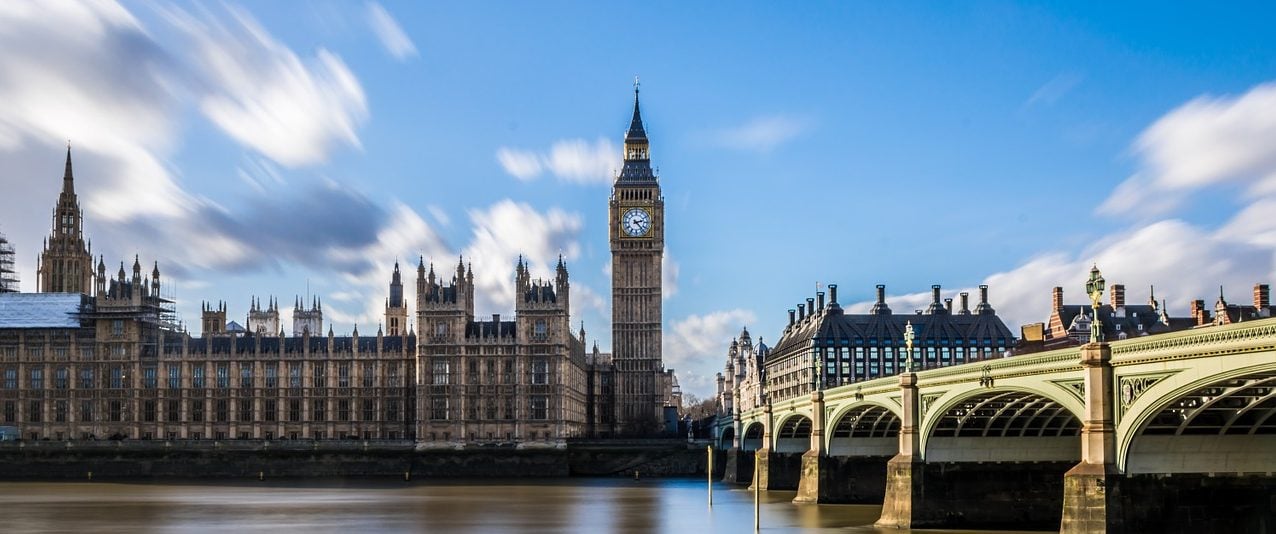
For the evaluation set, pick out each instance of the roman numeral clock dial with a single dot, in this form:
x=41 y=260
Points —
x=636 y=222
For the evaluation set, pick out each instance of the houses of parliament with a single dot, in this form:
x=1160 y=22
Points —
x=96 y=354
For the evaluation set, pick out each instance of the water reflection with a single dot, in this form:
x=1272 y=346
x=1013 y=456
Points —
x=574 y=505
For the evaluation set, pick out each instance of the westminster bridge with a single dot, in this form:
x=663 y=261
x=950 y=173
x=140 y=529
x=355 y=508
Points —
x=1173 y=432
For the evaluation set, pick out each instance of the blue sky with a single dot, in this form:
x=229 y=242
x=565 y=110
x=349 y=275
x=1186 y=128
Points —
x=260 y=148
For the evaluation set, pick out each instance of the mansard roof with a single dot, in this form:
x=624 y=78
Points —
x=833 y=325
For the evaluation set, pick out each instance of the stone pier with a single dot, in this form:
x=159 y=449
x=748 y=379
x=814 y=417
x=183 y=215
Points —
x=816 y=479
x=1092 y=489
x=905 y=468
x=739 y=468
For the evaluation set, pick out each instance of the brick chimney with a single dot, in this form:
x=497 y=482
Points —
x=1118 y=296
x=1262 y=297
x=1056 y=298
x=1199 y=313
x=965 y=303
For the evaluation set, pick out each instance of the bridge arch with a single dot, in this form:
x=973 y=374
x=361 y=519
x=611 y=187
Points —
x=793 y=434
x=864 y=429
x=752 y=437
x=1011 y=423
x=1231 y=413
x=727 y=440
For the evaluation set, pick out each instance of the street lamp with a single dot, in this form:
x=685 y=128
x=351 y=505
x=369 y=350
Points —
x=1094 y=287
x=908 y=342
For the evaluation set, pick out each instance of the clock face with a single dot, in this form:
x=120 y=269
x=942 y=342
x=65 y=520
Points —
x=636 y=222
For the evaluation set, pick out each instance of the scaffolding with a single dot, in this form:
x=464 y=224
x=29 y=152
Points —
x=8 y=274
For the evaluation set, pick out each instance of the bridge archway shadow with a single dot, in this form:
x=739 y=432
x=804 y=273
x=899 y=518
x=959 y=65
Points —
x=794 y=435
x=865 y=430
x=1203 y=455
x=726 y=441
x=752 y=437
x=996 y=458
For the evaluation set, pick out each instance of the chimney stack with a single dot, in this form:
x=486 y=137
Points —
x=1199 y=313
x=880 y=308
x=792 y=316
x=881 y=293
x=1262 y=297
x=1118 y=296
x=832 y=295
x=934 y=294
x=983 y=294
x=1056 y=298
x=965 y=303
x=801 y=312
x=819 y=299
x=810 y=307
x=948 y=305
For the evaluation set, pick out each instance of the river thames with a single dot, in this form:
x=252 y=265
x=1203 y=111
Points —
x=570 y=505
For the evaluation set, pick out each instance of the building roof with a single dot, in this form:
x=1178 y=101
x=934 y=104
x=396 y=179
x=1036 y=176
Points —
x=42 y=310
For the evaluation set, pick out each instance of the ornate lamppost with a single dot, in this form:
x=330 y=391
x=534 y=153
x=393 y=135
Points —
x=908 y=343
x=1094 y=287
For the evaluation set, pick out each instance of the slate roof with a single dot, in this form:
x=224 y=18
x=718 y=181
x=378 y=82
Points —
x=42 y=310
x=887 y=329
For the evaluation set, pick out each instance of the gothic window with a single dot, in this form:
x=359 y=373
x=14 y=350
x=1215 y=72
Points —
x=174 y=411
x=294 y=410
x=245 y=410
x=343 y=375
x=37 y=378
x=319 y=376
x=10 y=378
x=222 y=410
x=115 y=411
x=318 y=409
x=540 y=330
x=438 y=407
x=246 y=375
x=540 y=407
x=440 y=329
x=294 y=375
x=271 y=406
x=392 y=410
x=174 y=376
x=148 y=411
x=343 y=410
x=369 y=374
x=540 y=371
x=223 y=376
x=148 y=378
x=197 y=376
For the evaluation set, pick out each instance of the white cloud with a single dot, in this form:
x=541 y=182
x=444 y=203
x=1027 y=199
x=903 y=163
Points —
x=439 y=215
x=1055 y=89
x=388 y=31
x=1207 y=141
x=761 y=134
x=522 y=164
x=506 y=230
x=668 y=275
x=569 y=160
x=263 y=95
x=696 y=346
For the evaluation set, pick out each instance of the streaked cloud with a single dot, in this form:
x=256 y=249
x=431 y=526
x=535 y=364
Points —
x=1205 y=142
x=569 y=160
x=762 y=134
x=388 y=31
x=1054 y=90
x=696 y=345
x=504 y=231
x=263 y=95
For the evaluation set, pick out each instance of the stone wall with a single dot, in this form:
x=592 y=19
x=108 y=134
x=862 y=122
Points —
x=153 y=460
x=1197 y=503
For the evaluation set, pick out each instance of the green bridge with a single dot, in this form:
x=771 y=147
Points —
x=1174 y=432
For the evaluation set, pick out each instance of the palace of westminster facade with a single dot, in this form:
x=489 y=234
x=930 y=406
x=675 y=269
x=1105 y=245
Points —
x=95 y=355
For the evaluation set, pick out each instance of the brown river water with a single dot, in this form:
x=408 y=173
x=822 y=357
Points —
x=549 y=506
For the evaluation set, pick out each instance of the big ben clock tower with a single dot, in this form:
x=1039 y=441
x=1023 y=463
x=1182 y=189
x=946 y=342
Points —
x=636 y=212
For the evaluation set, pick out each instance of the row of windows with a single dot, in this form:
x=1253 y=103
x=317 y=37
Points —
x=441 y=372
x=199 y=412
x=490 y=408
x=116 y=377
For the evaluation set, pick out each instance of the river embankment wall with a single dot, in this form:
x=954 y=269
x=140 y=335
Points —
x=300 y=459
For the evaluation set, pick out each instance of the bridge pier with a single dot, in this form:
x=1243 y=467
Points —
x=775 y=470
x=739 y=468
x=1092 y=489
x=903 y=472
x=815 y=481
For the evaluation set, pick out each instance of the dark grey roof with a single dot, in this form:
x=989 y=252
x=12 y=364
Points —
x=481 y=329
x=1139 y=319
x=42 y=310
x=881 y=329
